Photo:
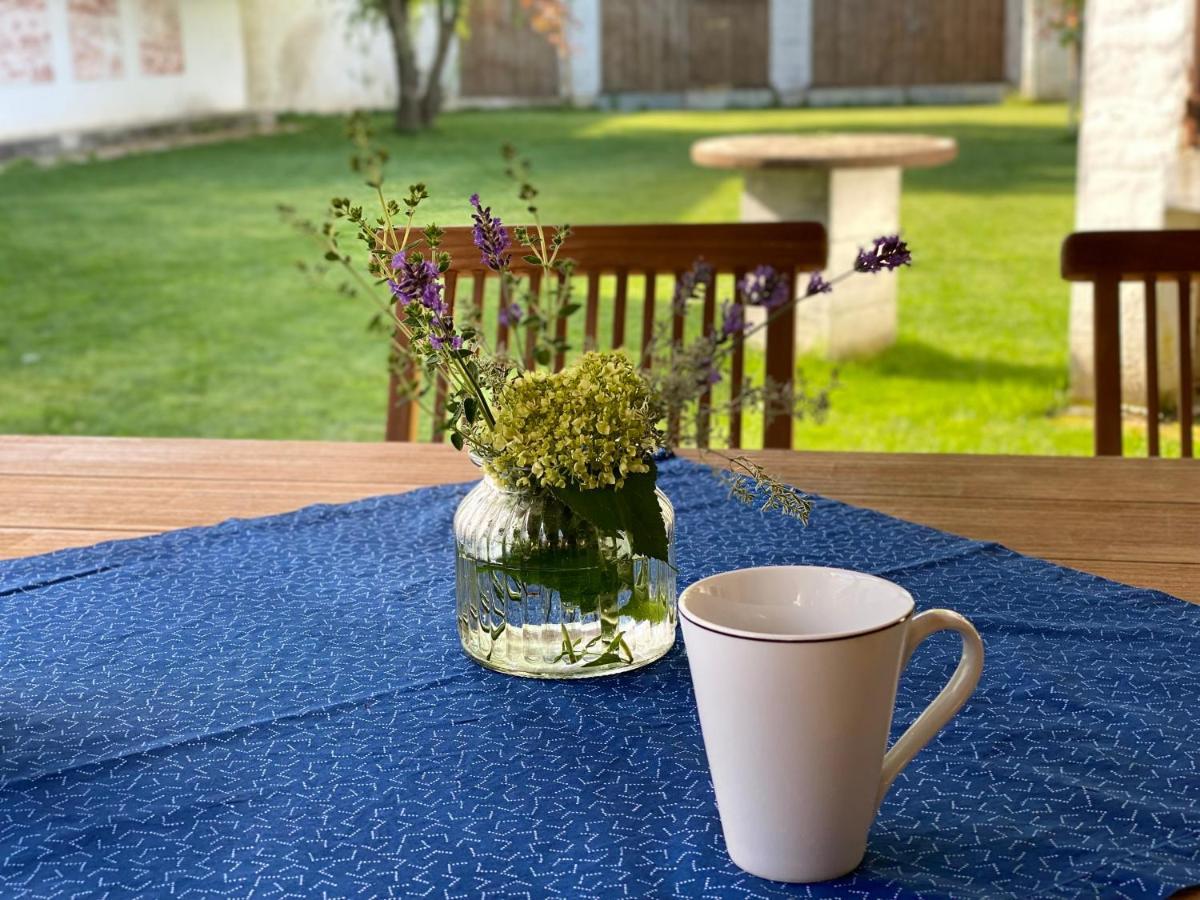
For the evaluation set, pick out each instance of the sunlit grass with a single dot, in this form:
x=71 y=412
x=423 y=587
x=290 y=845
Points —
x=157 y=294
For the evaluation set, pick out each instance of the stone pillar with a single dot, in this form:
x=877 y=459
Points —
x=855 y=206
x=1135 y=84
x=790 y=29
x=582 y=76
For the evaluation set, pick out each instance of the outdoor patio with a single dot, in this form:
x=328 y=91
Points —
x=815 y=515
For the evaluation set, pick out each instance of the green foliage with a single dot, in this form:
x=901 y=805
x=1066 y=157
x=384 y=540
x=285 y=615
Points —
x=633 y=509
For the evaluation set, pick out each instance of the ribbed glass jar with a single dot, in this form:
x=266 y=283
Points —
x=542 y=594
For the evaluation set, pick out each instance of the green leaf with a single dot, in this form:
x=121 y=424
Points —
x=633 y=509
x=568 y=309
x=583 y=576
x=457 y=440
x=470 y=407
x=532 y=260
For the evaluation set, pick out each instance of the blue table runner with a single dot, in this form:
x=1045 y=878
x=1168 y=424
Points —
x=279 y=708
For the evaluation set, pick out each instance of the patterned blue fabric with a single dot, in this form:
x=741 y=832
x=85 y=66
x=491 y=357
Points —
x=279 y=708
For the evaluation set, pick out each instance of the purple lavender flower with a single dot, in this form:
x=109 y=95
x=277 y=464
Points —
x=418 y=280
x=713 y=376
x=511 y=314
x=817 y=285
x=688 y=285
x=765 y=287
x=490 y=236
x=888 y=252
x=733 y=320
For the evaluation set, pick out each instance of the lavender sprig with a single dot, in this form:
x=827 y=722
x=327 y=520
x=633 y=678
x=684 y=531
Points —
x=887 y=253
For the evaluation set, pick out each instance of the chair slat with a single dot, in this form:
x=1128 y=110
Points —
x=706 y=326
x=678 y=313
x=645 y=250
x=1151 y=313
x=620 y=302
x=535 y=283
x=501 y=328
x=737 y=365
x=1106 y=360
x=781 y=362
x=1186 y=382
x=648 y=317
x=591 y=311
x=439 y=404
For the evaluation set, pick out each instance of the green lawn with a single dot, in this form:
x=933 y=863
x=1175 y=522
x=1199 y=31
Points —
x=156 y=294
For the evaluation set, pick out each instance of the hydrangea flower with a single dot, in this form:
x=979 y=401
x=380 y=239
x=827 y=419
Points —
x=888 y=252
x=588 y=426
x=490 y=236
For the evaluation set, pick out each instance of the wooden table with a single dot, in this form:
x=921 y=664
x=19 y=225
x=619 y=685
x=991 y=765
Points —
x=850 y=183
x=1133 y=520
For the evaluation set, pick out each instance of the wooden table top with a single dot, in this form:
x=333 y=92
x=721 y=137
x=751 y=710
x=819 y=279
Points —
x=823 y=151
x=1132 y=520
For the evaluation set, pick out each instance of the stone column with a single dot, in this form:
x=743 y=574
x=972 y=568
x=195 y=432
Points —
x=855 y=206
x=581 y=70
x=1135 y=84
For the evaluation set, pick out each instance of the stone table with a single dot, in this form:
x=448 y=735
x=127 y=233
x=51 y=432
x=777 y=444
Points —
x=850 y=183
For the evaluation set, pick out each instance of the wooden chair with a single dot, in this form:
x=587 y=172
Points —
x=1106 y=258
x=639 y=253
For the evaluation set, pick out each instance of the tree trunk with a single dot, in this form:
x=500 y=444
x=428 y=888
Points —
x=447 y=16
x=408 y=106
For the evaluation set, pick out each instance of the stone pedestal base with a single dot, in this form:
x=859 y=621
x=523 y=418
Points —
x=855 y=206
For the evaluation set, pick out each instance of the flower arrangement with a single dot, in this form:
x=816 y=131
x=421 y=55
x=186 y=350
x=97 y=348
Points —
x=587 y=436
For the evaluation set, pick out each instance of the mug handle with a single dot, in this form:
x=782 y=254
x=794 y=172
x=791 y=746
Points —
x=960 y=686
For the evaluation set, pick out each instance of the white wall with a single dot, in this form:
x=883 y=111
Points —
x=1135 y=84
x=313 y=56
x=1045 y=62
x=212 y=80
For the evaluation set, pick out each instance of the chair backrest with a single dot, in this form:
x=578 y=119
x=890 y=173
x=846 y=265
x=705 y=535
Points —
x=1106 y=258
x=635 y=255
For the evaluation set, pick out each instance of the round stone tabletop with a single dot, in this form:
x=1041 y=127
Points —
x=823 y=151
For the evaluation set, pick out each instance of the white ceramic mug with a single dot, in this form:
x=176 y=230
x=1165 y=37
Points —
x=795 y=670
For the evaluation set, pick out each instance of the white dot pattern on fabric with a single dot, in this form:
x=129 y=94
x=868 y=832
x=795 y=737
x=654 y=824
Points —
x=279 y=708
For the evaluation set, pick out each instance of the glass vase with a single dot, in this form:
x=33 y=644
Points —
x=542 y=594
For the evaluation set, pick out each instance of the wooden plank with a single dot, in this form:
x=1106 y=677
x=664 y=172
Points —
x=1092 y=479
x=1130 y=254
x=502 y=56
x=1149 y=532
x=1151 y=316
x=1106 y=361
x=917 y=42
x=1187 y=384
x=68 y=491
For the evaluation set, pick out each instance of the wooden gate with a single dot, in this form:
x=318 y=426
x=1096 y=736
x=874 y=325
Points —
x=503 y=56
x=869 y=43
x=677 y=45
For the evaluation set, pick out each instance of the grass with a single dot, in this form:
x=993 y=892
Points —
x=156 y=294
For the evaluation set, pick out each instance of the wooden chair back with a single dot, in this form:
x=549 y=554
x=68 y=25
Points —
x=636 y=255
x=1107 y=258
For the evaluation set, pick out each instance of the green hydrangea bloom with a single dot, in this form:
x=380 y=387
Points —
x=587 y=426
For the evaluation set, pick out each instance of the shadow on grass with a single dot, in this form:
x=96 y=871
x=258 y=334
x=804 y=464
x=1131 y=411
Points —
x=922 y=361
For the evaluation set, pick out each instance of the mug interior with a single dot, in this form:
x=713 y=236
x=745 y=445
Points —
x=798 y=603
